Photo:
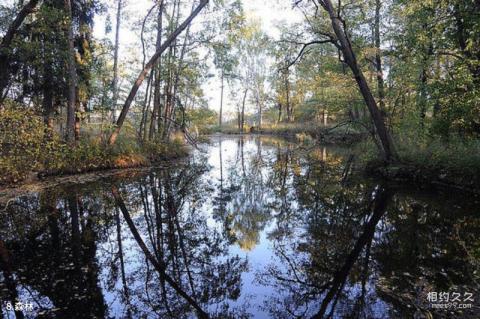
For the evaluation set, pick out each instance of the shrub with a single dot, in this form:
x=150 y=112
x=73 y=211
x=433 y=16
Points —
x=158 y=150
x=28 y=146
x=457 y=154
x=22 y=134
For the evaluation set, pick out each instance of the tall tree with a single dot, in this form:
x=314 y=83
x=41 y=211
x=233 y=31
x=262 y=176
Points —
x=378 y=57
x=72 y=74
x=157 y=78
x=341 y=40
x=115 y=89
x=148 y=67
x=7 y=41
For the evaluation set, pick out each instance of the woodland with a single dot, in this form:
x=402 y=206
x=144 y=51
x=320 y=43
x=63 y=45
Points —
x=239 y=159
x=402 y=77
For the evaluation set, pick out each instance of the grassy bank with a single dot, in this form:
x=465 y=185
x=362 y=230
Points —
x=29 y=150
x=330 y=134
x=429 y=162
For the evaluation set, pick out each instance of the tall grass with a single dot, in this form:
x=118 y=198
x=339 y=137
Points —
x=455 y=154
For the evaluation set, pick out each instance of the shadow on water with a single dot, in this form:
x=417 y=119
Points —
x=251 y=228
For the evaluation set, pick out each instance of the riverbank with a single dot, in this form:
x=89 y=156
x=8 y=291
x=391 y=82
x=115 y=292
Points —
x=424 y=177
x=53 y=157
x=31 y=150
x=343 y=133
x=424 y=162
x=87 y=157
x=433 y=163
x=7 y=192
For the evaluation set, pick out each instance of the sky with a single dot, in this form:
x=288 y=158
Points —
x=269 y=12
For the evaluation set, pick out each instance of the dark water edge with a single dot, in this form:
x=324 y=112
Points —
x=254 y=227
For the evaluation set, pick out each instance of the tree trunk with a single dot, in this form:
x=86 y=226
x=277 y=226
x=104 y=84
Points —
x=242 y=116
x=287 y=91
x=221 y=103
x=142 y=131
x=172 y=76
x=157 y=81
x=72 y=75
x=147 y=68
x=239 y=121
x=47 y=92
x=279 y=113
x=422 y=95
x=378 y=58
x=177 y=79
x=7 y=41
x=388 y=151
x=115 y=60
x=260 y=109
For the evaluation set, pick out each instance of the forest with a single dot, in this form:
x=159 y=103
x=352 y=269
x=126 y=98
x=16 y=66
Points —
x=239 y=159
x=402 y=76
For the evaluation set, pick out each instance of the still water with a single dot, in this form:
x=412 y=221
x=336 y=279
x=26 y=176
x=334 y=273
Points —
x=246 y=227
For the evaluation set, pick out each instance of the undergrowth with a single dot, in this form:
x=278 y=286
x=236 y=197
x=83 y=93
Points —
x=28 y=147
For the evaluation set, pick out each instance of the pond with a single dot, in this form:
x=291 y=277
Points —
x=245 y=227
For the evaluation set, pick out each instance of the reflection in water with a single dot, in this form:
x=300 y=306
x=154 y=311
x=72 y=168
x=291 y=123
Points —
x=253 y=228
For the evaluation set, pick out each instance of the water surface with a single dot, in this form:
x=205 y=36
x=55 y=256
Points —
x=250 y=227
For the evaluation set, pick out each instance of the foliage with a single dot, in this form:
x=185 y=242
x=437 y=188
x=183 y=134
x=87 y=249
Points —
x=21 y=143
x=456 y=155
x=158 y=150
x=202 y=118
x=28 y=147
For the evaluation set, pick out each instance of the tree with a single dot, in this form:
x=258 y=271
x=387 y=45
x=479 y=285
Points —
x=378 y=57
x=225 y=59
x=251 y=69
x=148 y=67
x=115 y=57
x=7 y=41
x=157 y=78
x=341 y=40
x=72 y=75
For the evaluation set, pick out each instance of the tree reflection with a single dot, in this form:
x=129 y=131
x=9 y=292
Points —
x=162 y=259
x=163 y=243
x=51 y=244
x=245 y=211
x=339 y=260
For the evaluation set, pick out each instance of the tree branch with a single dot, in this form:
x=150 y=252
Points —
x=12 y=29
x=305 y=45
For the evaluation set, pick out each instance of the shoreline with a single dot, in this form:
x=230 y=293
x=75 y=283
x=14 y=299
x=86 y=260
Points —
x=38 y=181
x=423 y=177
x=395 y=172
x=25 y=187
